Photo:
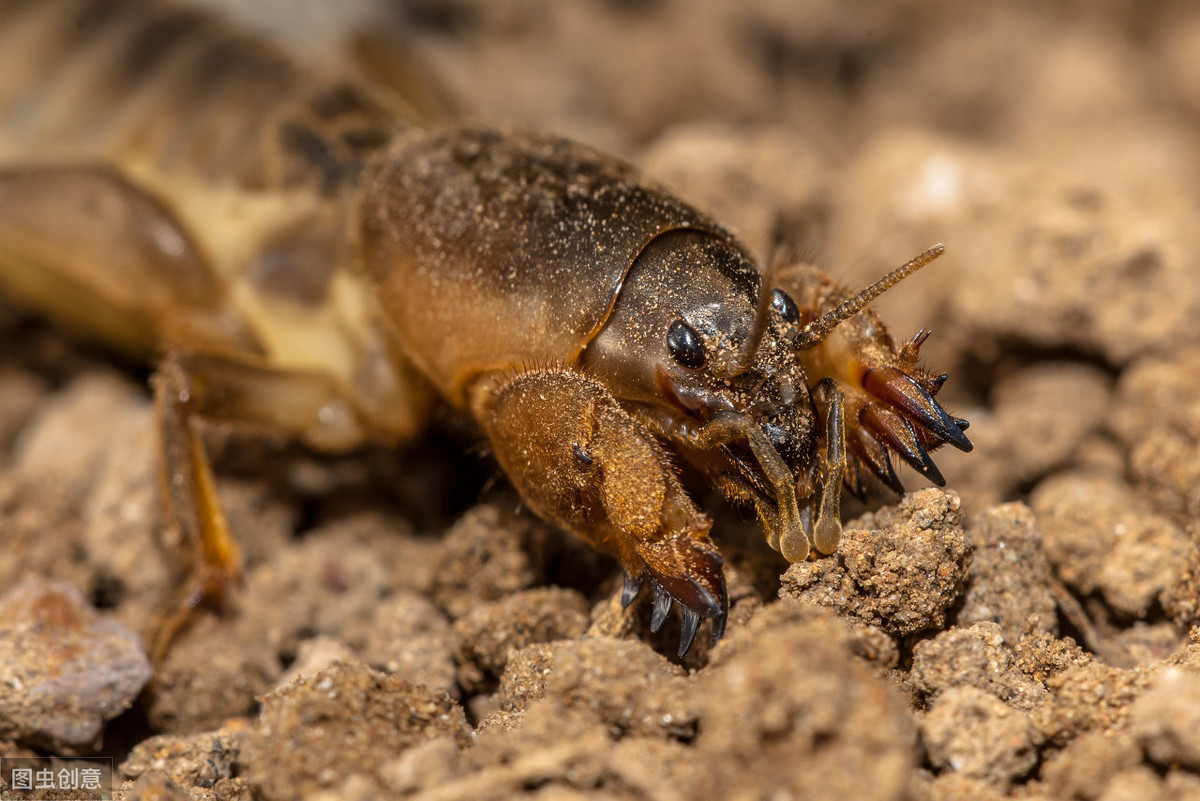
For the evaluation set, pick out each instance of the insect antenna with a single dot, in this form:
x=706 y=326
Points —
x=749 y=347
x=815 y=332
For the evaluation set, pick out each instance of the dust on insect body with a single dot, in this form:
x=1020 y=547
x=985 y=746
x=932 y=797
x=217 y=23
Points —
x=313 y=258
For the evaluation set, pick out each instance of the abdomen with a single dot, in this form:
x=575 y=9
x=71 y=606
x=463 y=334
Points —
x=249 y=155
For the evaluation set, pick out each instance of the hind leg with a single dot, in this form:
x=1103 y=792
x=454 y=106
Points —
x=193 y=388
x=109 y=261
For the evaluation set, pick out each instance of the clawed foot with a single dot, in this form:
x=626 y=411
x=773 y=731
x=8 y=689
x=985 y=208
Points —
x=898 y=413
x=691 y=576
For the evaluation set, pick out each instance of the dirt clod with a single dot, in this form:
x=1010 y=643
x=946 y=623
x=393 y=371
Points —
x=975 y=657
x=197 y=761
x=215 y=670
x=64 y=669
x=492 y=632
x=1009 y=578
x=1101 y=537
x=1087 y=698
x=1166 y=719
x=786 y=691
x=372 y=716
x=971 y=732
x=899 y=569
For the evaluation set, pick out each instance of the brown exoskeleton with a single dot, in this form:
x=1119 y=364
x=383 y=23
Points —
x=301 y=256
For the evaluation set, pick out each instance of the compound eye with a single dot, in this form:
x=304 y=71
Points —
x=786 y=307
x=685 y=345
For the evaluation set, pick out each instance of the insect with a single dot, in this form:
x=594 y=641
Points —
x=304 y=256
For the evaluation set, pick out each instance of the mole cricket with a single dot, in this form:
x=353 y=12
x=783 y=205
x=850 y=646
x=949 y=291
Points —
x=309 y=256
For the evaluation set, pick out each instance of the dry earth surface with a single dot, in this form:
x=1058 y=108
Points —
x=405 y=630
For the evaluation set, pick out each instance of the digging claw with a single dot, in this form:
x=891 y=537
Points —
x=695 y=603
x=875 y=457
x=697 y=586
x=890 y=478
x=662 y=605
x=631 y=589
x=690 y=616
x=905 y=394
x=930 y=470
x=903 y=416
x=718 y=630
x=691 y=622
x=898 y=434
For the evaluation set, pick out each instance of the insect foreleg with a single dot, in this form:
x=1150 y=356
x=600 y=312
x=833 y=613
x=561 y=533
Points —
x=889 y=397
x=827 y=531
x=785 y=527
x=581 y=461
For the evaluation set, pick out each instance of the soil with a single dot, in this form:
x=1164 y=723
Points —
x=405 y=629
